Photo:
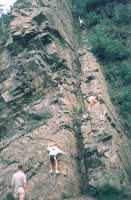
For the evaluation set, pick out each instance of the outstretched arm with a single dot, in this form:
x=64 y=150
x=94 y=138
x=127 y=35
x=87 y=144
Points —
x=59 y=151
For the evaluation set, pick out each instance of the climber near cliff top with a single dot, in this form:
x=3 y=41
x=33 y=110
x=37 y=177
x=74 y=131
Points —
x=80 y=21
x=93 y=100
x=54 y=151
x=19 y=186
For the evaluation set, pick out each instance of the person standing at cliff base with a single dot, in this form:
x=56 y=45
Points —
x=93 y=100
x=54 y=151
x=19 y=185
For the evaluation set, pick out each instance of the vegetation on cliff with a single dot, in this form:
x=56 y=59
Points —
x=108 y=192
x=108 y=24
x=4 y=21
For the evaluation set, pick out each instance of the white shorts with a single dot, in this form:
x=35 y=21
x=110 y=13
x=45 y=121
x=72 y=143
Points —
x=19 y=194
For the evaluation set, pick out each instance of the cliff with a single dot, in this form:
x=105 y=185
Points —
x=47 y=73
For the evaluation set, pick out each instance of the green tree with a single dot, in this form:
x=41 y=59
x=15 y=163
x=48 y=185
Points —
x=105 y=46
x=4 y=21
x=92 y=19
x=79 y=8
x=122 y=13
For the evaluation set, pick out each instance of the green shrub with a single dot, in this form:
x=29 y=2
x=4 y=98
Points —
x=23 y=30
x=121 y=72
x=88 y=5
x=80 y=112
x=80 y=8
x=65 y=196
x=108 y=192
x=107 y=47
x=124 y=101
x=92 y=19
x=122 y=13
x=63 y=42
x=125 y=73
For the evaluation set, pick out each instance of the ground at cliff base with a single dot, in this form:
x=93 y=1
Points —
x=87 y=197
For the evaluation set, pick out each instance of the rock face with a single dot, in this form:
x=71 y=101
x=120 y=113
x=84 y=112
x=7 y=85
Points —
x=46 y=77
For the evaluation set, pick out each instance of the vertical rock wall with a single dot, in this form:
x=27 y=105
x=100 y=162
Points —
x=46 y=77
x=106 y=146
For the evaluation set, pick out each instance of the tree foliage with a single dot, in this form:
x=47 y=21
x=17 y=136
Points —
x=4 y=21
x=123 y=13
x=105 y=46
x=88 y=5
x=92 y=19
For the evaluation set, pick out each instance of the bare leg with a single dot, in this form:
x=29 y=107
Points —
x=50 y=165
x=92 y=103
x=22 y=198
x=56 y=164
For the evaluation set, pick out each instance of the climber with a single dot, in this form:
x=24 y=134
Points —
x=19 y=186
x=54 y=150
x=80 y=21
x=93 y=100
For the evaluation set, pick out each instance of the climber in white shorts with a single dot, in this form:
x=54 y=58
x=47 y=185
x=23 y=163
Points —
x=54 y=151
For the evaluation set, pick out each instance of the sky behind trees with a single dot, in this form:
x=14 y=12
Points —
x=6 y=4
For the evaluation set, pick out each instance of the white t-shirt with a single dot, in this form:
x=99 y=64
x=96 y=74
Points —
x=54 y=150
x=91 y=98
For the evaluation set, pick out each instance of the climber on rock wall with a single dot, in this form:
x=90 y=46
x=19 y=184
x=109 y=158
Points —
x=80 y=21
x=93 y=100
x=54 y=151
